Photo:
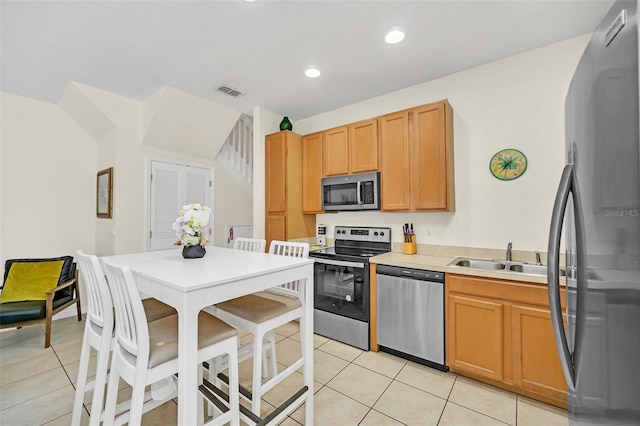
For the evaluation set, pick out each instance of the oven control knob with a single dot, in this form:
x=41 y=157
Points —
x=375 y=233
x=382 y=234
x=348 y=297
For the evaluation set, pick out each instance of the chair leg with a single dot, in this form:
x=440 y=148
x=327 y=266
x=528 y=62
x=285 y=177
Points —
x=234 y=384
x=137 y=399
x=81 y=383
x=218 y=363
x=112 y=395
x=271 y=336
x=265 y=364
x=215 y=367
x=47 y=331
x=102 y=369
x=78 y=303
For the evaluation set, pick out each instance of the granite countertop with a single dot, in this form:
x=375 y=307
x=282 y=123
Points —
x=441 y=264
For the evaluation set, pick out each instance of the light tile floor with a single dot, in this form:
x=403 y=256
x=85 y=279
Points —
x=352 y=387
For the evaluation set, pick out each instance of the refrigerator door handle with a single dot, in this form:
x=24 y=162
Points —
x=553 y=274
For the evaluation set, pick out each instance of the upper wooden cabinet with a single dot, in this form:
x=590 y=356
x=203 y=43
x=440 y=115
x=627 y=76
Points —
x=394 y=162
x=312 y=173
x=432 y=155
x=363 y=146
x=416 y=159
x=500 y=331
x=284 y=219
x=351 y=149
x=275 y=151
x=412 y=149
x=335 y=151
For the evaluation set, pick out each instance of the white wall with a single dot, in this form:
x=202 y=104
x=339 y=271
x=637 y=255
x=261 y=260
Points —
x=48 y=181
x=135 y=142
x=233 y=204
x=517 y=103
x=50 y=157
x=199 y=127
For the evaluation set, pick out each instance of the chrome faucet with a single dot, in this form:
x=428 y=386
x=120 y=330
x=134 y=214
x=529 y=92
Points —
x=538 y=261
x=509 y=245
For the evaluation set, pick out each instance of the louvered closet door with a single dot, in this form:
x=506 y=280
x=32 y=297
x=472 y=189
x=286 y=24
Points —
x=173 y=186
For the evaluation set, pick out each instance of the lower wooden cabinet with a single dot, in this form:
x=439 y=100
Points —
x=536 y=363
x=276 y=228
x=475 y=333
x=500 y=332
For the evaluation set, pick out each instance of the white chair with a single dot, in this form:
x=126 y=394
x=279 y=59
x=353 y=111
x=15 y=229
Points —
x=245 y=351
x=250 y=244
x=217 y=365
x=146 y=353
x=98 y=334
x=257 y=245
x=261 y=313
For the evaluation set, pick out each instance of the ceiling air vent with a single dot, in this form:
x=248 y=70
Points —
x=229 y=91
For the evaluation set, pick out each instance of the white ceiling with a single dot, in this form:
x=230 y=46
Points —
x=263 y=48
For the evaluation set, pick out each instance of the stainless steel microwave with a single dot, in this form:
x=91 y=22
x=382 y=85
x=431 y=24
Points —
x=351 y=192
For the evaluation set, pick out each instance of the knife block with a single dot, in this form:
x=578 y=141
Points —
x=410 y=248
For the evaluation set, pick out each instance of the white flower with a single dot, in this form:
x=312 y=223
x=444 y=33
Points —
x=188 y=223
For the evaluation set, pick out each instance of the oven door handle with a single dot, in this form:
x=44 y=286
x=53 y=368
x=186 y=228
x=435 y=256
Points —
x=338 y=263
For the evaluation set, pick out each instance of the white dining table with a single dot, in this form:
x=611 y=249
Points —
x=189 y=285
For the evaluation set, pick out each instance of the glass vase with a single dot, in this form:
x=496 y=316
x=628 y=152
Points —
x=193 y=252
x=285 y=124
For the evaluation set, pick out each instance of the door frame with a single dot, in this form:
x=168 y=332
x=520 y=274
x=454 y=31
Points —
x=147 y=190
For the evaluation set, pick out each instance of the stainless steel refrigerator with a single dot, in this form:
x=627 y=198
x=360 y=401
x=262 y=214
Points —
x=597 y=207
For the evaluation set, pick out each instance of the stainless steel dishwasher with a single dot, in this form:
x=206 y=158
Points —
x=410 y=314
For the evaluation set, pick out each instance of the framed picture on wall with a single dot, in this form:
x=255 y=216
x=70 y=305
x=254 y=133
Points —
x=104 y=193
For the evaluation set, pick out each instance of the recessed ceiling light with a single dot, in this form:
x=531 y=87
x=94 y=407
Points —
x=312 y=72
x=394 y=37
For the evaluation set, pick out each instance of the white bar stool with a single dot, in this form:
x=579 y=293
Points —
x=261 y=313
x=98 y=334
x=146 y=353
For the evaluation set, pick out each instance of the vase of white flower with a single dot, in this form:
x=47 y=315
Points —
x=193 y=252
x=188 y=227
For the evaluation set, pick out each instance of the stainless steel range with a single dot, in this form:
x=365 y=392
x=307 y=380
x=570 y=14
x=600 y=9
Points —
x=341 y=283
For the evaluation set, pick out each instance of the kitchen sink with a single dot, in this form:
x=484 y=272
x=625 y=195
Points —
x=489 y=265
x=503 y=265
x=533 y=269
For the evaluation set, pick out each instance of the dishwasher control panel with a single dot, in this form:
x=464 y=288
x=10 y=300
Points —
x=416 y=274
